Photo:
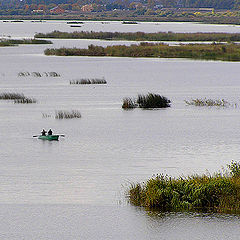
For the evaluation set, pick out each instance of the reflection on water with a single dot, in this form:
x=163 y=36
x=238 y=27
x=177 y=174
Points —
x=109 y=147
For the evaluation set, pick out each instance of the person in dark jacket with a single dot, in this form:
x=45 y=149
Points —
x=50 y=132
x=43 y=132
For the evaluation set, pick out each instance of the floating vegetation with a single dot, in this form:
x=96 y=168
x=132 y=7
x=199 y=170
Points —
x=17 y=97
x=208 y=102
x=25 y=100
x=38 y=74
x=89 y=81
x=151 y=100
x=218 y=192
x=62 y=114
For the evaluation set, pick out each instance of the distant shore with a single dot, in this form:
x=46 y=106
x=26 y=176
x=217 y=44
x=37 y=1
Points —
x=235 y=20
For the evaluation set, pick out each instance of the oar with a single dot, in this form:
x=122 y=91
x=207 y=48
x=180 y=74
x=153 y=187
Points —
x=62 y=135
x=36 y=135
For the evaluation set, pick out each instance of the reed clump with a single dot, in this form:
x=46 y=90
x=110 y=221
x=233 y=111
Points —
x=63 y=114
x=11 y=96
x=17 y=97
x=25 y=100
x=218 y=192
x=38 y=74
x=208 y=102
x=89 y=81
x=148 y=101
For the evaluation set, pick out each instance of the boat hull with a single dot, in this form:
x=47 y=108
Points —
x=49 y=137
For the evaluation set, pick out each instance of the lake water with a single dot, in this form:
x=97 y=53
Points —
x=75 y=188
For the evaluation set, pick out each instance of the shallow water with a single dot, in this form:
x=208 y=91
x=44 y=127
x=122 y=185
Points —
x=79 y=181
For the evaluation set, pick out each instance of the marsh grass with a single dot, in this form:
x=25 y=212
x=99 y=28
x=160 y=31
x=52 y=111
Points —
x=62 y=114
x=148 y=101
x=219 y=192
x=208 y=102
x=89 y=81
x=17 y=97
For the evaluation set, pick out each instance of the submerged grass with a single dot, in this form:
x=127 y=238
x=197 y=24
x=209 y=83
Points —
x=223 y=52
x=217 y=192
x=148 y=101
x=208 y=102
x=89 y=81
x=62 y=114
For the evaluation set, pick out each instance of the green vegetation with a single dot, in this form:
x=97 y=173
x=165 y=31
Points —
x=89 y=81
x=150 y=100
x=61 y=114
x=218 y=192
x=208 y=102
x=141 y=36
x=13 y=42
x=224 y=52
x=17 y=97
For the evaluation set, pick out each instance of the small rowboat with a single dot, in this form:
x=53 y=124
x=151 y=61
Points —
x=49 y=137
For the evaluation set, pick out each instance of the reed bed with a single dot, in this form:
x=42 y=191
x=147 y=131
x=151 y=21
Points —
x=38 y=74
x=223 y=52
x=17 y=97
x=142 y=36
x=148 y=101
x=89 y=81
x=208 y=102
x=219 y=192
x=13 y=42
x=62 y=114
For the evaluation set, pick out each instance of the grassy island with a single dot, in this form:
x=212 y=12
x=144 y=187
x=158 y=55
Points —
x=218 y=192
x=141 y=36
x=224 y=52
x=13 y=42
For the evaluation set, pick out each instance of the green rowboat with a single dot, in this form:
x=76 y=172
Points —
x=49 y=137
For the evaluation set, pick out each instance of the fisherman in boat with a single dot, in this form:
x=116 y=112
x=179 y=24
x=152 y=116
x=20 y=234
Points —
x=50 y=132
x=43 y=132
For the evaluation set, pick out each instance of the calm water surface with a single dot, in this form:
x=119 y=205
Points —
x=74 y=188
